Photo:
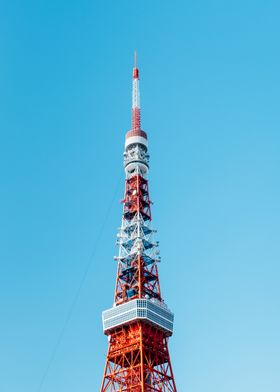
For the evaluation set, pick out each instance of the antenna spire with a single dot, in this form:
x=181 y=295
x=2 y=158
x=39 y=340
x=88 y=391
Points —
x=136 y=120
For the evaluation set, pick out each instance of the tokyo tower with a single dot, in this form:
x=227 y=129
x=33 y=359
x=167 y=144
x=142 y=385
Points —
x=139 y=324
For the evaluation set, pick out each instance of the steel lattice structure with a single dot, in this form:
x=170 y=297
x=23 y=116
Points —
x=139 y=323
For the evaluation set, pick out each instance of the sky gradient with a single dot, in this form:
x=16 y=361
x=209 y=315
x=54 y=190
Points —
x=210 y=104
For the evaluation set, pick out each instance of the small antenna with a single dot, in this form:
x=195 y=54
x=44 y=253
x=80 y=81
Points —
x=136 y=124
x=135 y=59
x=135 y=69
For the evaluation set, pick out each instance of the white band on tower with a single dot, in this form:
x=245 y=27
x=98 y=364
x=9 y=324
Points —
x=135 y=93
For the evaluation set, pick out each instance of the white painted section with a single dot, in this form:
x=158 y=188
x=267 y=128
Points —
x=131 y=167
x=136 y=139
x=135 y=94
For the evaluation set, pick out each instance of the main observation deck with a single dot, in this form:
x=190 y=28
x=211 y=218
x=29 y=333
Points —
x=153 y=312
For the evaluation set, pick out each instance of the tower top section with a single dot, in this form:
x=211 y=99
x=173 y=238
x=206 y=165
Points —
x=136 y=134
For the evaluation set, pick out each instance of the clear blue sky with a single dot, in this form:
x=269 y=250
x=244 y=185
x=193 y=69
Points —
x=210 y=99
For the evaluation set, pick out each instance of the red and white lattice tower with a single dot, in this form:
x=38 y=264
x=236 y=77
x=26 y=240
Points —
x=139 y=323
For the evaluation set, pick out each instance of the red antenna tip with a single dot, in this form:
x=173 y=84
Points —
x=135 y=73
x=135 y=69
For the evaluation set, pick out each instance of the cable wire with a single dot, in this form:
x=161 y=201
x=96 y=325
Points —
x=78 y=292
